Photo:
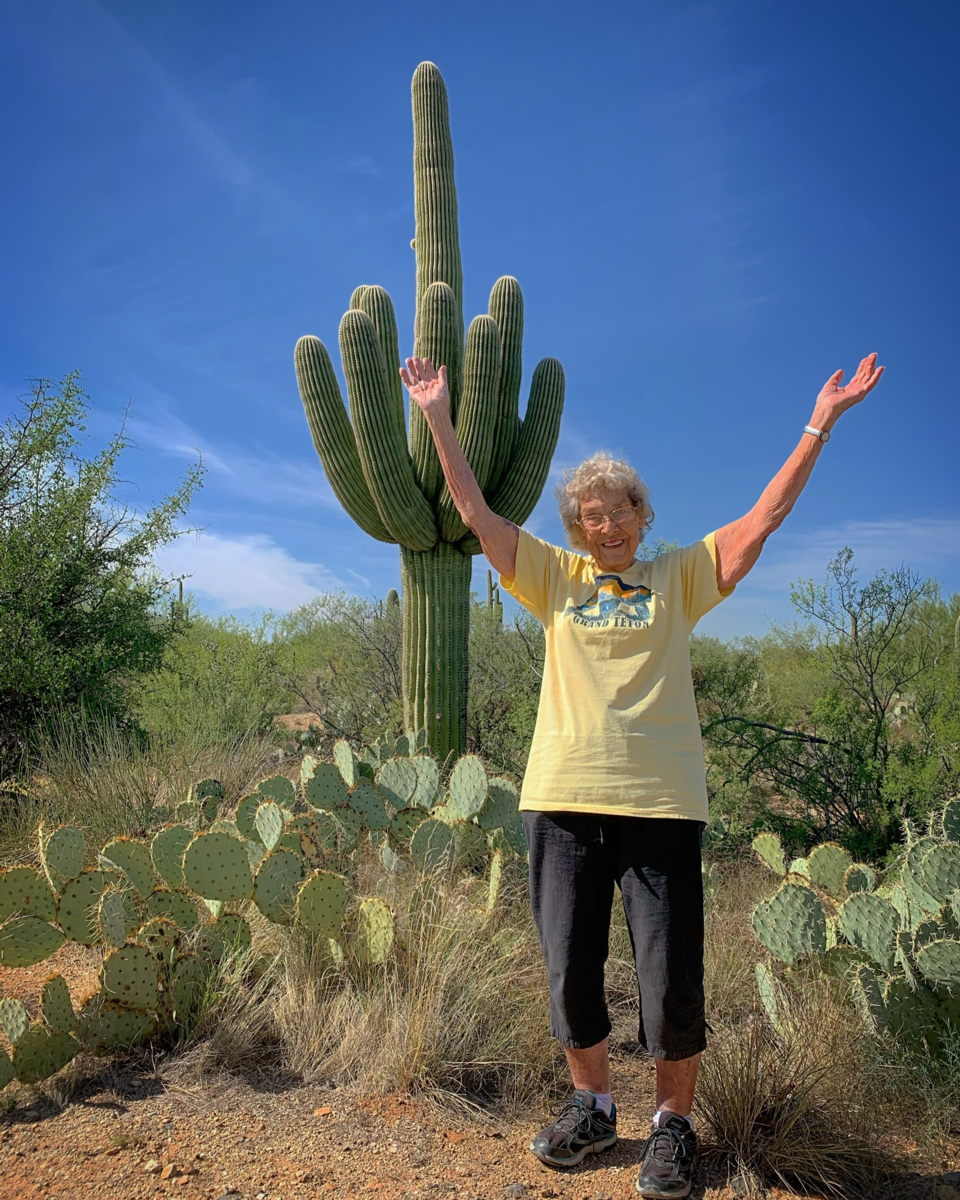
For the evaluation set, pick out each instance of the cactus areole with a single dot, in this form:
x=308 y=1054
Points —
x=388 y=477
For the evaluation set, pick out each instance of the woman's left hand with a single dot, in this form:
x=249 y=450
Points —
x=835 y=399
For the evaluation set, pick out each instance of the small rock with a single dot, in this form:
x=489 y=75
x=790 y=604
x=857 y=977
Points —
x=323 y=1111
x=550 y=1192
x=601 y=1196
x=740 y=1185
x=169 y=1171
x=231 y=1195
x=515 y=1189
x=182 y=1179
x=152 y=1167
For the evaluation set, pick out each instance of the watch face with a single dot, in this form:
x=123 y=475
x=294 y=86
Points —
x=824 y=436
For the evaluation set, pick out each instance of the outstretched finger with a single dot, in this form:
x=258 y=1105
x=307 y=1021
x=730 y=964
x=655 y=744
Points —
x=429 y=371
x=413 y=368
x=443 y=376
x=404 y=375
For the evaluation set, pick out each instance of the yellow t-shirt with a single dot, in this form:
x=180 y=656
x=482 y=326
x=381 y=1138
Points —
x=617 y=729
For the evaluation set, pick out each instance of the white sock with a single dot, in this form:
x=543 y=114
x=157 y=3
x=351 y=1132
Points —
x=604 y=1100
x=659 y=1113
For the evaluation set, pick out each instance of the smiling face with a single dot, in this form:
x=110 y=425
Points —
x=613 y=546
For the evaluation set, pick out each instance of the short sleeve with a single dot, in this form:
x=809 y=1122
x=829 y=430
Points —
x=538 y=575
x=698 y=577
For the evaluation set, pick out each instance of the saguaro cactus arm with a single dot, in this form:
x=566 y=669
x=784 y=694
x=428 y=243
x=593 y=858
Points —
x=438 y=338
x=382 y=450
x=506 y=308
x=333 y=436
x=476 y=423
x=378 y=306
x=527 y=471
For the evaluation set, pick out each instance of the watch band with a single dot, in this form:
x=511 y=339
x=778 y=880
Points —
x=820 y=434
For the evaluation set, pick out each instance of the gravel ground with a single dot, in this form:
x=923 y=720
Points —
x=132 y=1130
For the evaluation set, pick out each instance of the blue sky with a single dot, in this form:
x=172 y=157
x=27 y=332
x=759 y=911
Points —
x=710 y=207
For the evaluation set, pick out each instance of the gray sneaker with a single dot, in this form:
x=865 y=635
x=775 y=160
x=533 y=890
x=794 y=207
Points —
x=580 y=1129
x=666 y=1167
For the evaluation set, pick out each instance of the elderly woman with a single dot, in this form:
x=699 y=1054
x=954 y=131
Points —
x=614 y=791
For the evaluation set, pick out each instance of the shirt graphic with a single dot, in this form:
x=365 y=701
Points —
x=614 y=603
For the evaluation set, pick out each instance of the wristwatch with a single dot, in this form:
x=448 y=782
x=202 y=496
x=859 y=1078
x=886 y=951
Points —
x=820 y=434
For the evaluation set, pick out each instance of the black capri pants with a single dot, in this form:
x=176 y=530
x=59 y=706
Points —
x=575 y=860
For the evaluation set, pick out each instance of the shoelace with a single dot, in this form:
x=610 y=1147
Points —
x=583 y=1122
x=676 y=1147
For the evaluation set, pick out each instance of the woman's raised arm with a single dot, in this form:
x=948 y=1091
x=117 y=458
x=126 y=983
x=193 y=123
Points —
x=739 y=544
x=498 y=536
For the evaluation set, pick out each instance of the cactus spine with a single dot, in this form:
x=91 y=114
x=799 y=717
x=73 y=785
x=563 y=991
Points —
x=388 y=479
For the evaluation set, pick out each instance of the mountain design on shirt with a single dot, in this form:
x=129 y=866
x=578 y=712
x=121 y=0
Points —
x=613 y=603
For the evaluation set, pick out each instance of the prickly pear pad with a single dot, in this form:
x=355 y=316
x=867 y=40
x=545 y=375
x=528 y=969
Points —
x=276 y=885
x=189 y=981
x=367 y=802
x=234 y=932
x=25 y=941
x=404 y=824
x=61 y=853
x=162 y=939
x=167 y=849
x=397 y=781
x=23 y=890
x=279 y=789
x=346 y=763
x=791 y=924
x=939 y=871
x=43 y=1053
x=859 y=878
x=128 y=976
x=246 y=816
x=939 y=963
x=828 y=865
x=468 y=789
x=216 y=867
x=175 y=905
x=56 y=1007
x=7 y=1071
x=502 y=804
x=321 y=903
x=269 y=822
x=432 y=846
x=14 y=1019
x=110 y=918
x=77 y=907
x=325 y=789
x=870 y=922
x=377 y=929
x=106 y=1026
x=428 y=781
x=768 y=849
x=132 y=860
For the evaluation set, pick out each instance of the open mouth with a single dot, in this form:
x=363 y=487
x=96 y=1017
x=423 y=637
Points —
x=613 y=545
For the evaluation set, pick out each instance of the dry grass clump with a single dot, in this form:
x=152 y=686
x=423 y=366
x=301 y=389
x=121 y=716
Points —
x=457 y=1012
x=110 y=781
x=792 y=1105
x=782 y=1106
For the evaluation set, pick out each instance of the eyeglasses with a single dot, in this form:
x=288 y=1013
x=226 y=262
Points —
x=620 y=516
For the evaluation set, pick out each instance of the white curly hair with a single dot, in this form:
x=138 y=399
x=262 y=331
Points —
x=600 y=471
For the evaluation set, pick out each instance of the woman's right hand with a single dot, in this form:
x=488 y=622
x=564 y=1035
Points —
x=427 y=386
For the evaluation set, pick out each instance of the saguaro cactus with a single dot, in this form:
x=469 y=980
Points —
x=388 y=478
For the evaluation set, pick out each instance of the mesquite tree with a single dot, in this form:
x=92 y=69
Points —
x=388 y=478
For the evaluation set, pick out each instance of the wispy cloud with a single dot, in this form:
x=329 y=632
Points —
x=260 y=474
x=930 y=545
x=245 y=572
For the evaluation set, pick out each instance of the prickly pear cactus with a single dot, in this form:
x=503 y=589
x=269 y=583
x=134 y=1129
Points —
x=791 y=924
x=768 y=849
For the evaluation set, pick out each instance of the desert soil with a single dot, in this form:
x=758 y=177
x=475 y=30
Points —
x=133 y=1129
